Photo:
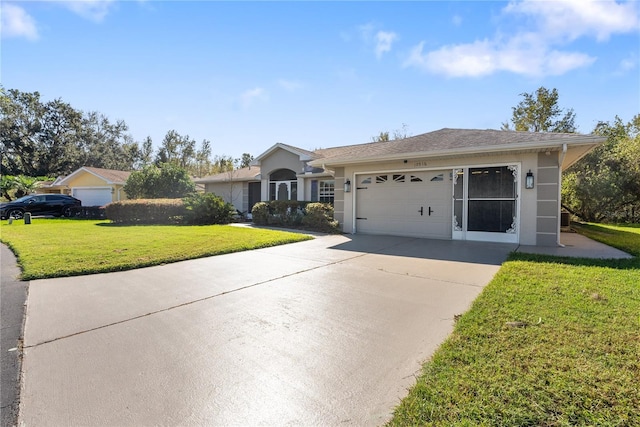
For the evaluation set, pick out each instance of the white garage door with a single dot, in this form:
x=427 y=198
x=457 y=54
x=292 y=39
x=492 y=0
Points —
x=416 y=204
x=92 y=196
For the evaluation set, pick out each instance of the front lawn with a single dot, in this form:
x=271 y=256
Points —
x=61 y=247
x=549 y=342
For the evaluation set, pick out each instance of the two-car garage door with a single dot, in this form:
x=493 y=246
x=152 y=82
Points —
x=416 y=204
x=93 y=196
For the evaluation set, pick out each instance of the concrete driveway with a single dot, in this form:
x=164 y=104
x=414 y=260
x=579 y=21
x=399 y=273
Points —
x=324 y=332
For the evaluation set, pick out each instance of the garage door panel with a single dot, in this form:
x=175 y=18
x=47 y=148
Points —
x=93 y=196
x=392 y=203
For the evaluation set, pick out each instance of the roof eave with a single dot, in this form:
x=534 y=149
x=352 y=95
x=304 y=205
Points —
x=513 y=147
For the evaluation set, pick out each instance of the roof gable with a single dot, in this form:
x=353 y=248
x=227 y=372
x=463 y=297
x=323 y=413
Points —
x=304 y=155
x=110 y=176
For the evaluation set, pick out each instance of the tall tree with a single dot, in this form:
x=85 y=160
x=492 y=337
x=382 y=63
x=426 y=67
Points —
x=539 y=112
x=108 y=145
x=605 y=184
x=246 y=160
x=53 y=138
x=179 y=150
x=202 y=163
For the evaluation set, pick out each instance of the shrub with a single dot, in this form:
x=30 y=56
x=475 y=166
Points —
x=260 y=213
x=292 y=213
x=286 y=212
x=319 y=216
x=146 y=211
x=208 y=208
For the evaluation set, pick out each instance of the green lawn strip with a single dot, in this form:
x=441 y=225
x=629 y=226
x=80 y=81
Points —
x=577 y=362
x=624 y=237
x=58 y=247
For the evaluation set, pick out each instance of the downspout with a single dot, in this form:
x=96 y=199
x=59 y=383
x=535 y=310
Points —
x=563 y=154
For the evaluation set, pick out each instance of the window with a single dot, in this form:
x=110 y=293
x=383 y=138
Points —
x=326 y=191
x=415 y=179
x=398 y=178
x=381 y=178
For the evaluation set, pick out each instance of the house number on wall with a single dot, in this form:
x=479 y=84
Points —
x=420 y=164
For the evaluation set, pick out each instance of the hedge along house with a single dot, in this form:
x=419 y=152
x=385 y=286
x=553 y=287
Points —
x=485 y=185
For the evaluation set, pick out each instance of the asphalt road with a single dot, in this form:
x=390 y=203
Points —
x=13 y=295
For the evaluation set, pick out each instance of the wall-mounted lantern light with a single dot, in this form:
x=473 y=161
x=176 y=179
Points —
x=528 y=182
x=347 y=186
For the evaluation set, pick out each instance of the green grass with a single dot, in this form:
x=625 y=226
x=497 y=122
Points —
x=59 y=247
x=576 y=362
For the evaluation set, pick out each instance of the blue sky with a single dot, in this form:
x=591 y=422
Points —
x=246 y=75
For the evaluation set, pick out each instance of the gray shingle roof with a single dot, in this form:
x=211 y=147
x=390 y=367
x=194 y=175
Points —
x=110 y=175
x=251 y=173
x=449 y=141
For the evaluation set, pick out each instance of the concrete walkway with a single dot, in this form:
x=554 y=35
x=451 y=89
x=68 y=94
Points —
x=324 y=332
x=578 y=246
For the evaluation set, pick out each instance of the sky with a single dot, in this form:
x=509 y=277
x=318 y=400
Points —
x=246 y=75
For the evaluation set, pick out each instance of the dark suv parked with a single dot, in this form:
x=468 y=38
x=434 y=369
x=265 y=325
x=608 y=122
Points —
x=40 y=204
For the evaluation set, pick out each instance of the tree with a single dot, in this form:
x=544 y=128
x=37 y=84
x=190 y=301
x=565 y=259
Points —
x=222 y=163
x=202 y=164
x=106 y=144
x=246 y=160
x=382 y=137
x=159 y=182
x=605 y=184
x=177 y=149
x=53 y=138
x=539 y=112
x=397 y=134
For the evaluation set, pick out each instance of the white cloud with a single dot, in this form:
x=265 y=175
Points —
x=251 y=96
x=290 y=85
x=16 y=22
x=571 y=19
x=485 y=57
x=541 y=49
x=384 y=39
x=94 y=10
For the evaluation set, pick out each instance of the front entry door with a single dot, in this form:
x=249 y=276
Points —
x=416 y=204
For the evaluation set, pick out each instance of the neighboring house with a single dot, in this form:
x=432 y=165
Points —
x=94 y=186
x=459 y=184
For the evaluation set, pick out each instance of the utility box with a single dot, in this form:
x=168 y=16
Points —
x=27 y=218
x=565 y=219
